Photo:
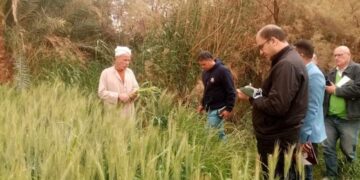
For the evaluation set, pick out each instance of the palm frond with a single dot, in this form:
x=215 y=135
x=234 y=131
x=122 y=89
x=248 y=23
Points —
x=26 y=10
x=103 y=51
x=22 y=75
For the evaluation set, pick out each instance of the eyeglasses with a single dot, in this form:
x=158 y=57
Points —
x=338 y=55
x=261 y=46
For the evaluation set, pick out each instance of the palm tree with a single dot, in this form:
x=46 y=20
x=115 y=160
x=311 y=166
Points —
x=48 y=28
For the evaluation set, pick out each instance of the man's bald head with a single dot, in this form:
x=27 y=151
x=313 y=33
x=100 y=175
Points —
x=272 y=30
x=343 y=49
x=270 y=40
x=342 y=56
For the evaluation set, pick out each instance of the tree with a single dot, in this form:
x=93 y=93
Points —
x=50 y=29
x=273 y=7
x=6 y=65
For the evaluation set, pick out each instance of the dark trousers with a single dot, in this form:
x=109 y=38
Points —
x=266 y=147
x=309 y=168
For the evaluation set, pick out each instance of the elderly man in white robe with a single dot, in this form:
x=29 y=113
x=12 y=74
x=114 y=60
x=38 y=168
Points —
x=117 y=85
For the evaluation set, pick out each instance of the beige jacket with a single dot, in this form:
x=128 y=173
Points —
x=114 y=91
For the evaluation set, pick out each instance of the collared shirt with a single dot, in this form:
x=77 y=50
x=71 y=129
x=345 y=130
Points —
x=111 y=86
x=337 y=105
x=340 y=71
x=276 y=58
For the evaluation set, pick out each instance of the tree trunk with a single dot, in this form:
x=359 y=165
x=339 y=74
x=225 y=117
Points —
x=6 y=65
x=276 y=12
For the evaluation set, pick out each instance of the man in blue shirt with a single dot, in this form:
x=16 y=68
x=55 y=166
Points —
x=313 y=129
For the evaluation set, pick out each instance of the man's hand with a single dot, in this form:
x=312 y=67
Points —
x=123 y=97
x=133 y=95
x=200 y=109
x=330 y=89
x=241 y=95
x=225 y=114
x=305 y=147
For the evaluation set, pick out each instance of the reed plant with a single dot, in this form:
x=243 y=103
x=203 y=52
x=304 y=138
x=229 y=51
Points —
x=222 y=27
x=288 y=159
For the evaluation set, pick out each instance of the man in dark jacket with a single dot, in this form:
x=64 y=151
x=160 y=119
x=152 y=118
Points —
x=342 y=109
x=278 y=114
x=219 y=91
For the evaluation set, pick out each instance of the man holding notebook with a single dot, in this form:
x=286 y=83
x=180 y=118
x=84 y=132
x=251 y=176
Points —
x=342 y=110
x=280 y=106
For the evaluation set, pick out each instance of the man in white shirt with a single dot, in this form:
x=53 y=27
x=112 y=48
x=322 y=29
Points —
x=118 y=85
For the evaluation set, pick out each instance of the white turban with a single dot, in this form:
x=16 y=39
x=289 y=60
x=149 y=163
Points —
x=122 y=50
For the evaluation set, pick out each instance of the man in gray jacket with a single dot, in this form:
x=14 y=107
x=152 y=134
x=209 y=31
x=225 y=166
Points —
x=342 y=110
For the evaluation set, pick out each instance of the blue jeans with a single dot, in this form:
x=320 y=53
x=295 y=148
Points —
x=345 y=130
x=215 y=121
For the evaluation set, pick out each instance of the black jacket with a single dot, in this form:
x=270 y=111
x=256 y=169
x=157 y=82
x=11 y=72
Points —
x=219 y=90
x=349 y=91
x=281 y=110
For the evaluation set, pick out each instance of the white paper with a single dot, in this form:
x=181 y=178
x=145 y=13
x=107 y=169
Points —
x=343 y=81
x=304 y=161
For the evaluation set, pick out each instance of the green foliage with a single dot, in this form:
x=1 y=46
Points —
x=72 y=73
x=288 y=159
x=54 y=131
x=44 y=42
x=166 y=56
